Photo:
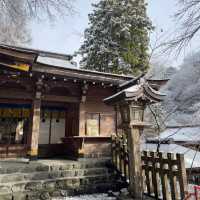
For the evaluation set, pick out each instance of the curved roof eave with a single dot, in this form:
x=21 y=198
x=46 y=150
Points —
x=142 y=92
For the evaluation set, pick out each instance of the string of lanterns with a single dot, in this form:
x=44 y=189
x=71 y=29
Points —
x=76 y=80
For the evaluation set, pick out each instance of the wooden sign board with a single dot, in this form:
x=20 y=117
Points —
x=108 y=124
x=92 y=127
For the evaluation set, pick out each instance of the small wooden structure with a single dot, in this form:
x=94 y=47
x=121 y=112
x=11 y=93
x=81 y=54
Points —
x=131 y=102
x=164 y=175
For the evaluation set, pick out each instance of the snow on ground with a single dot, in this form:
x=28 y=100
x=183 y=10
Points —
x=89 y=197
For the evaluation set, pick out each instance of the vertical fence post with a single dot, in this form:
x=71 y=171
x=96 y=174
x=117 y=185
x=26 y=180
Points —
x=163 y=175
x=113 y=149
x=182 y=176
x=145 y=159
x=173 y=179
x=154 y=174
x=124 y=156
x=121 y=156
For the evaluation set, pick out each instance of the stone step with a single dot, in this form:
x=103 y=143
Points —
x=58 y=194
x=50 y=165
x=15 y=177
x=82 y=184
x=53 y=177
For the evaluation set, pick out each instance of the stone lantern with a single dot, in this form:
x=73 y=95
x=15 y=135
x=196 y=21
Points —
x=131 y=103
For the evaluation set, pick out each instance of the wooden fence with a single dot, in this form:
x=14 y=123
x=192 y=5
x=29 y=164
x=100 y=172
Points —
x=164 y=175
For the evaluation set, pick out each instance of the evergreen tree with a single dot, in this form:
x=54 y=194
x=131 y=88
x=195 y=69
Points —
x=117 y=39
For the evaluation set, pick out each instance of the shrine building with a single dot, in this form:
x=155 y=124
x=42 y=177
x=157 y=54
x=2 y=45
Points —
x=50 y=108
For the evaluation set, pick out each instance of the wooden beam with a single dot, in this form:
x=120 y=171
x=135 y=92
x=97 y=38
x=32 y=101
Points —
x=61 y=98
x=13 y=94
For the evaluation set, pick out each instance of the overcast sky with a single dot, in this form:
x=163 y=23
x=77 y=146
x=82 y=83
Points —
x=66 y=35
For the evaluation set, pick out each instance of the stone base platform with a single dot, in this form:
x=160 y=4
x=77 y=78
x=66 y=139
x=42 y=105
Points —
x=47 y=179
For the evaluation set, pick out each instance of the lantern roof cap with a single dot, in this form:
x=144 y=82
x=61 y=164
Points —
x=139 y=92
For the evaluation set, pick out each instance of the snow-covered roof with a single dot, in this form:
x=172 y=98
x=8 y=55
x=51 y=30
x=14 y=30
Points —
x=60 y=65
x=56 y=62
x=133 y=88
x=36 y=51
x=181 y=134
x=189 y=154
x=140 y=90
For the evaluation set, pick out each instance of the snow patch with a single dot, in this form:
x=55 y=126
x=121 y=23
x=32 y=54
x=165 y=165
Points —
x=56 y=62
x=189 y=154
x=88 y=197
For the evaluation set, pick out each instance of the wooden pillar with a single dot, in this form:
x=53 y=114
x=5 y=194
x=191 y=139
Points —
x=82 y=119
x=35 y=122
x=135 y=166
x=132 y=118
x=35 y=129
x=82 y=111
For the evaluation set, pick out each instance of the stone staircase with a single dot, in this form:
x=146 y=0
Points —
x=48 y=179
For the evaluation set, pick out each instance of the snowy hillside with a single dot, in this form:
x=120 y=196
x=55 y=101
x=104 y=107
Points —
x=182 y=103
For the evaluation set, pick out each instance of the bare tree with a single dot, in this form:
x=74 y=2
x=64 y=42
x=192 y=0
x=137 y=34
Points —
x=188 y=22
x=13 y=26
x=38 y=8
x=156 y=41
x=15 y=15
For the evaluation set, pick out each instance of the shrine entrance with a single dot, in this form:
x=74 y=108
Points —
x=14 y=129
x=57 y=120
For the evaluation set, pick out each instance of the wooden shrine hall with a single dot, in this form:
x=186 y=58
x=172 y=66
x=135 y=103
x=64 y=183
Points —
x=50 y=108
